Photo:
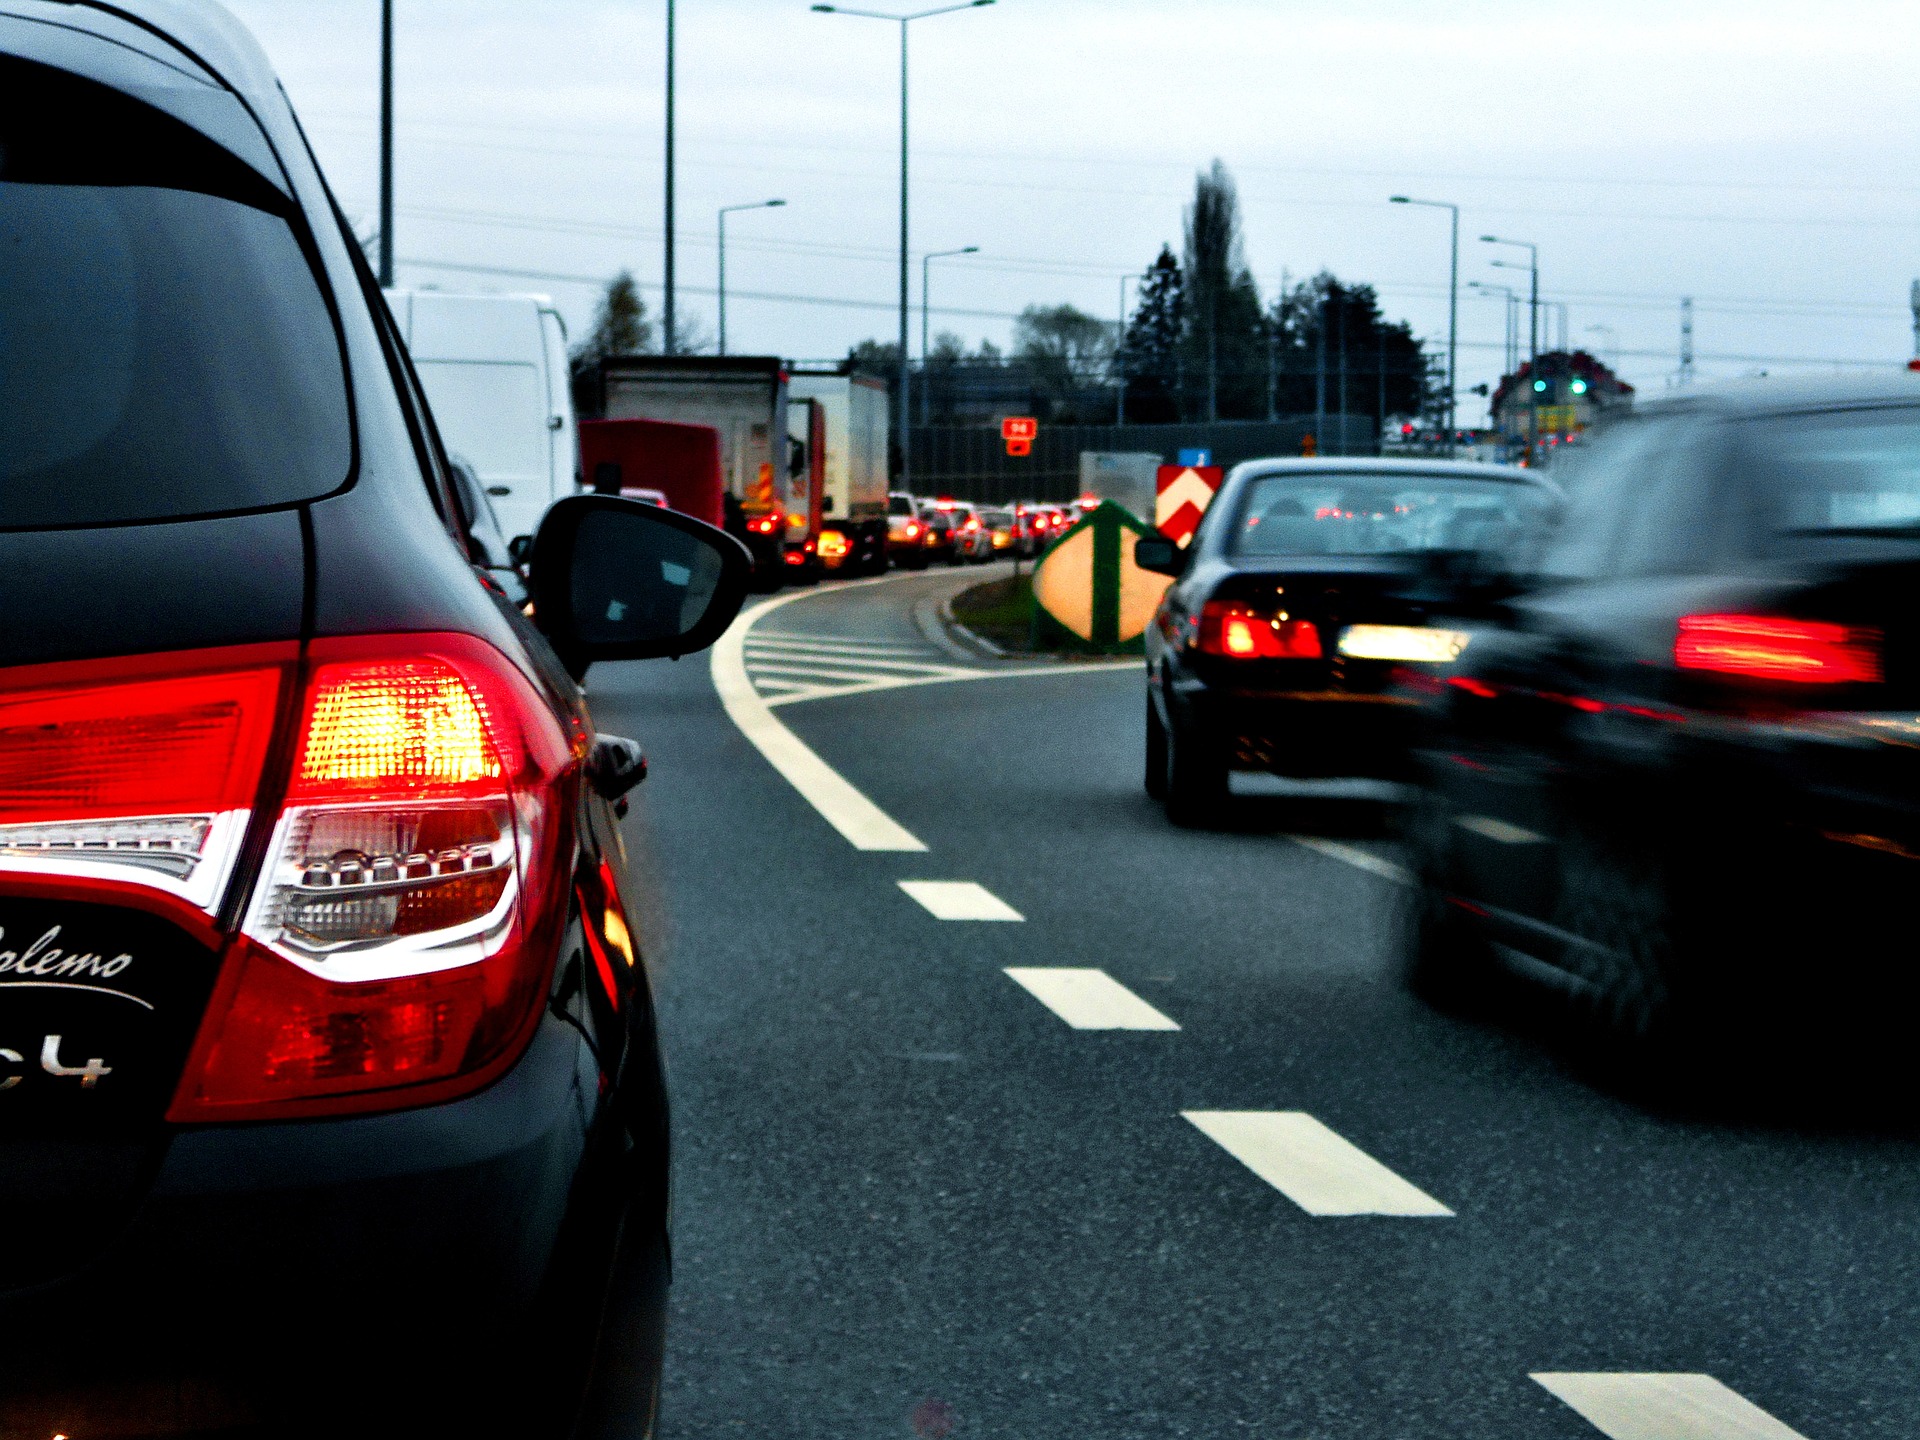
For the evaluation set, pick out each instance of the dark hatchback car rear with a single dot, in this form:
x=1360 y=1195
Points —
x=1295 y=611
x=329 y=1090
x=1676 y=774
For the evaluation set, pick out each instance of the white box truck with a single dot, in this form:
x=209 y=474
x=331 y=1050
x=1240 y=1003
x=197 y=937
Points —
x=744 y=397
x=495 y=371
x=854 y=505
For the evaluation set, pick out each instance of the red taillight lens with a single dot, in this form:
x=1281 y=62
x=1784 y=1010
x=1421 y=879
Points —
x=912 y=529
x=403 y=925
x=138 y=773
x=767 y=524
x=1764 y=647
x=1240 y=632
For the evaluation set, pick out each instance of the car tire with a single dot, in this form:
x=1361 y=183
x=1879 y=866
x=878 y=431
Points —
x=1196 y=784
x=1156 y=776
x=1443 y=960
x=1617 y=902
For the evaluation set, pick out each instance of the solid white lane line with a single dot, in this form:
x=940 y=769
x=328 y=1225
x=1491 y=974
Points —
x=1498 y=831
x=1089 y=999
x=959 y=900
x=1353 y=855
x=864 y=824
x=1665 y=1407
x=851 y=664
x=839 y=692
x=797 y=637
x=1312 y=1166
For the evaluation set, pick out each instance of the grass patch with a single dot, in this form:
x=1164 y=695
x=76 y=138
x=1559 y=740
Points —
x=1003 y=611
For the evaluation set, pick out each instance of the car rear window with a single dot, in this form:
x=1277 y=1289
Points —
x=1357 y=513
x=165 y=349
x=1839 y=476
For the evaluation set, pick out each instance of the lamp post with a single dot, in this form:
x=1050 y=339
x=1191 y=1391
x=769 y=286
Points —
x=1533 y=327
x=926 y=279
x=903 y=21
x=668 y=338
x=1120 y=355
x=1453 y=305
x=726 y=210
x=386 y=144
x=1509 y=360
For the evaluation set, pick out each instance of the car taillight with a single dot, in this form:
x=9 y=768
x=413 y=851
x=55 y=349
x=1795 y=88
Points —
x=402 y=927
x=1763 y=647
x=1240 y=632
x=136 y=775
x=912 y=529
x=766 y=524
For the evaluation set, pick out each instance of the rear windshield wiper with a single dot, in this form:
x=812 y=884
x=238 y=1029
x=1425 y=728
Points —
x=1909 y=530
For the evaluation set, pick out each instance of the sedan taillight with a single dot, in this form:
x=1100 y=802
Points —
x=1239 y=632
x=402 y=928
x=1763 y=647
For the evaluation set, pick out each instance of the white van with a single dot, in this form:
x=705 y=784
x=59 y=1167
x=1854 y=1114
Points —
x=495 y=372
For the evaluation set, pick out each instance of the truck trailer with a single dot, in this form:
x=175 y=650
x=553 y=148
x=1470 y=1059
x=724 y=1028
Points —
x=853 y=524
x=744 y=398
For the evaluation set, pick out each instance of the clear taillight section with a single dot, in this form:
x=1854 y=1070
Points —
x=113 y=774
x=416 y=882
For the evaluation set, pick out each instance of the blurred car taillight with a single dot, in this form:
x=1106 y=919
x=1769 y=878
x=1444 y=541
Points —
x=1240 y=632
x=1763 y=647
x=412 y=893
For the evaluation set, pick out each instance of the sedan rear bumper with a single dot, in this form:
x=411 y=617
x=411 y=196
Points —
x=1301 y=734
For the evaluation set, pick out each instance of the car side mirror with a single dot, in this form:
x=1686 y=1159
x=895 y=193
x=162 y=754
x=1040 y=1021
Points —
x=1160 y=555
x=617 y=579
x=519 y=548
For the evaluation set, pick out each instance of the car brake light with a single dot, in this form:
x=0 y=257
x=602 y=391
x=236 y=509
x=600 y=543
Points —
x=767 y=524
x=137 y=775
x=1769 y=648
x=1243 y=633
x=409 y=906
x=912 y=529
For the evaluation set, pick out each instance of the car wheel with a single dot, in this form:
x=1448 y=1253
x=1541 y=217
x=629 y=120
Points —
x=1196 y=784
x=1442 y=959
x=1616 y=903
x=1156 y=753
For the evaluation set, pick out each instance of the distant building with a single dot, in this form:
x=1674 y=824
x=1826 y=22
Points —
x=1561 y=396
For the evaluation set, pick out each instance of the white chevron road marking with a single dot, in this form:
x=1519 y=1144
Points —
x=1628 y=1406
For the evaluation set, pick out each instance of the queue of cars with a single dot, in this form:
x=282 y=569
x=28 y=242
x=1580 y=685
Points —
x=1660 y=720
x=330 y=1095
x=957 y=532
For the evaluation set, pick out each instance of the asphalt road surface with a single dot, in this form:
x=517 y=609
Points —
x=913 y=1199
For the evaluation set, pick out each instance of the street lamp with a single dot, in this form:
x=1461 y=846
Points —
x=903 y=21
x=386 y=144
x=1533 y=328
x=1511 y=361
x=726 y=210
x=1453 y=305
x=1120 y=352
x=926 y=278
x=669 y=339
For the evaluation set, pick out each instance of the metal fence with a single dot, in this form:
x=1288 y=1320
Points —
x=971 y=461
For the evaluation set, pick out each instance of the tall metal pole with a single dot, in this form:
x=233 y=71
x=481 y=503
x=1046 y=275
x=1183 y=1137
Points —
x=726 y=210
x=1120 y=353
x=1453 y=307
x=1533 y=331
x=926 y=284
x=386 y=144
x=668 y=335
x=903 y=21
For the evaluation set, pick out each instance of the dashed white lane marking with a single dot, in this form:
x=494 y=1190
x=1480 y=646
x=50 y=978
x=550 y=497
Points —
x=959 y=900
x=1665 y=1407
x=1089 y=999
x=1311 y=1165
x=864 y=824
x=1358 y=858
x=1498 y=831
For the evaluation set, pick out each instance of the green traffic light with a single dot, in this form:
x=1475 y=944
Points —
x=1539 y=387
x=1579 y=387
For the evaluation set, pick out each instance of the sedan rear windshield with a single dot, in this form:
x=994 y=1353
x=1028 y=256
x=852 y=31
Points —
x=165 y=349
x=1356 y=513
x=1841 y=476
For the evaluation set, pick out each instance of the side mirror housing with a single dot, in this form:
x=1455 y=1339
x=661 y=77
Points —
x=1160 y=555
x=616 y=579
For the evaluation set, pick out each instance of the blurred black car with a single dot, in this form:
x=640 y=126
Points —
x=330 y=1095
x=487 y=544
x=1278 y=645
x=1677 y=775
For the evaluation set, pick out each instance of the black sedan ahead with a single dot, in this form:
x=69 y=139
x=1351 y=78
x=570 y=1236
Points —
x=1293 y=613
x=1677 y=775
x=330 y=1098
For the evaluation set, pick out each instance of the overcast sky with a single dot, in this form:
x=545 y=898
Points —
x=1759 y=156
